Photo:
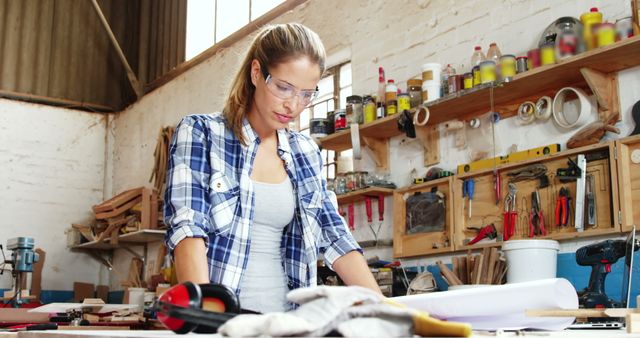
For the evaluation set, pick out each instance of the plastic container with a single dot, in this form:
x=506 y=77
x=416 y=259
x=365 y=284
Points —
x=431 y=71
x=494 y=54
x=447 y=72
x=530 y=259
x=477 y=56
x=430 y=91
x=136 y=297
x=588 y=19
x=391 y=91
x=605 y=34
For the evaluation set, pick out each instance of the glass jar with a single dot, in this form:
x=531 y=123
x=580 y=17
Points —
x=331 y=184
x=340 y=184
x=414 y=88
x=404 y=102
x=352 y=182
x=331 y=118
x=508 y=66
x=487 y=71
x=340 y=120
x=468 y=80
x=548 y=54
x=369 y=109
x=605 y=34
x=361 y=178
x=392 y=107
x=476 y=75
x=354 y=109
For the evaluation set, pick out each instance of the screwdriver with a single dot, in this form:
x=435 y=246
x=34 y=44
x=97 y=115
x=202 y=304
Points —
x=469 y=186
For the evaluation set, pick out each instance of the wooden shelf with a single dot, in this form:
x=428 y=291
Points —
x=359 y=195
x=140 y=237
x=529 y=85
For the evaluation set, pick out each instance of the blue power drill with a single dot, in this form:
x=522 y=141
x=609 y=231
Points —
x=600 y=256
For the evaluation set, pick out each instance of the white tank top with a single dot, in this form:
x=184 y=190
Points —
x=264 y=285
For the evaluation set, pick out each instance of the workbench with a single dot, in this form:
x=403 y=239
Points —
x=164 y=334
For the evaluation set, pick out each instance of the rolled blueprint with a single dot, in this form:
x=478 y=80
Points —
x=496 y=307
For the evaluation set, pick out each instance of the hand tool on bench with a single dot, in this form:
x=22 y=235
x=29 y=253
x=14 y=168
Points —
x=488 y=231
x=510 y=212
x=536 y=220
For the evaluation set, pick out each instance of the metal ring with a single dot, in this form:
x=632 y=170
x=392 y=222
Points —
x=526 y=112
x=474 y=123
x=543 y=108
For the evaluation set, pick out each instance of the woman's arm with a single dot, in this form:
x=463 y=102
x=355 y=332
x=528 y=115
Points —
x=191 y=261
x=353 y=270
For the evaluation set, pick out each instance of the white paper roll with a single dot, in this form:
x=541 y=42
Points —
x=355 y=141
x=496 y=307
x=584 y=111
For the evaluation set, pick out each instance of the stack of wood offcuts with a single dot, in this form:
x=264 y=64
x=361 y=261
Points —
x=130 y=211
x=487 y=267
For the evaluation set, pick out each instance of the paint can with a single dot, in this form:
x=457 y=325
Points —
x=404 y=102
x=548 y=54
x=318 y=127
x=476 y=75
x=522 y=64
x=468 y=80
x=605 y=34
x=533 y=58
x=487 y=71
x=507 y=66
x=340 y=120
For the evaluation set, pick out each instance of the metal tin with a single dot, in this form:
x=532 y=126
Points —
x=369 y=109
x=331 y=122
x=318 y=127
x=476 y=75
x=354 y=109
x=605 y=34
x=548 y=54
x=521 y=64
x=340 y=120
x=404 y=102
x=624 y=28
x=468 y=80
x=487 y=71
x=533 y=58
x=455 y=83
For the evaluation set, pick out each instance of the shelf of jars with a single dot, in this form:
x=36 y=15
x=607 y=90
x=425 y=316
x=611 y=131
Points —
x=587 y=70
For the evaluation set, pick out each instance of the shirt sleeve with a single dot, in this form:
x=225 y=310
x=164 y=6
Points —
x=186 y=201
x=336 y=237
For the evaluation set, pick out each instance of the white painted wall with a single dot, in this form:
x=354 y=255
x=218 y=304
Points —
x=400 y=36
x=51 y=173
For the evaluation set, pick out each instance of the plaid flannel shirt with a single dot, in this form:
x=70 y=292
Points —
x=209 y=195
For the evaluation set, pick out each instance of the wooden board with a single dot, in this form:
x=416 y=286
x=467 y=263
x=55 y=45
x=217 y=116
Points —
x=420 y=244
x=118 y=200
x=629 y=182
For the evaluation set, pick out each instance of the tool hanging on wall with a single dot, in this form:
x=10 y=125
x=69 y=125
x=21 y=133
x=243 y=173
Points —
x=536 y=220
x=591 y=207
x=497 y=186
x=488 y=231
x=468 y=187
x=350 y=216
x=635 y=114
x=510 y=212
x=580 y=190
x=562 y=208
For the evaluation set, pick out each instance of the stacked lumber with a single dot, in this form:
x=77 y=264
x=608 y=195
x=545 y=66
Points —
x=132 y=210
x=487 y=267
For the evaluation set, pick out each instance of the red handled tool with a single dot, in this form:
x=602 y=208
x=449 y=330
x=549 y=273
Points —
x=350 y=217
x=488 y=231
x=562 y=208
x=510 y=213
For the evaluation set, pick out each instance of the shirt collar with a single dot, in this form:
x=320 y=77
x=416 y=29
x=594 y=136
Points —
x=251 y=136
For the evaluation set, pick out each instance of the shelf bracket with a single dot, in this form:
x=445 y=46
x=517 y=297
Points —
x=430 y=138
x=605 y=87
x=380 y=150
x=105 y=261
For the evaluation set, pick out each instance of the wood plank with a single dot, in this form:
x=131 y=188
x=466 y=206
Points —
x=448 y=274
x=143 y=41
x=118 y=200
x=145 y=214
x=36 y=277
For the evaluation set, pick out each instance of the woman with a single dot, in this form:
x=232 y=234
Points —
x=245 y=203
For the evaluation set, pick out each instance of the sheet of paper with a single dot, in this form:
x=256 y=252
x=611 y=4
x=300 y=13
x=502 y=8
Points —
x=500 y=306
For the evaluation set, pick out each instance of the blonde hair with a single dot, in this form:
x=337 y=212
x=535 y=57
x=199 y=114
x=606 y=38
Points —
x=273 y=45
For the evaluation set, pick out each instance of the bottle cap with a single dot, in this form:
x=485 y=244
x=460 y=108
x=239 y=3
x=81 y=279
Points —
x=492 y=44
x=390 y=81
x=593 y=9
x=477 y=48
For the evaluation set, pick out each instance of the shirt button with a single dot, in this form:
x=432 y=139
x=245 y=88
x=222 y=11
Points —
x=219 y=185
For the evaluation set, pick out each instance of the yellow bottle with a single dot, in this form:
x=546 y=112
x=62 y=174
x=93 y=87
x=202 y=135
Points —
x=588 y=20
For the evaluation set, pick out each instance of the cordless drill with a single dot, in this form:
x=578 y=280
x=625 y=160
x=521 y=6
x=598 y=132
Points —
x=600 y=256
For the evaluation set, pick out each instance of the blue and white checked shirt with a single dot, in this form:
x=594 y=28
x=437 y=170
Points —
x=210 y=195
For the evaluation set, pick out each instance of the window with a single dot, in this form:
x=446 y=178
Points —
x=210 y=21
x=334 y=88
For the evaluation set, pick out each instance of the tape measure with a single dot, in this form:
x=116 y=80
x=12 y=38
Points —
x=511 y=158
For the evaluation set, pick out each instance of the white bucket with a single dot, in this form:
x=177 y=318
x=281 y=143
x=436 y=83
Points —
x=430 y=91
x=136 y=297
x=530 y=259
x=431 y=71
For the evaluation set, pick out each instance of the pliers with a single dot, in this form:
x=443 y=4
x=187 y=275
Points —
x=562 y=208
x=510 y=213
x=536 y=219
